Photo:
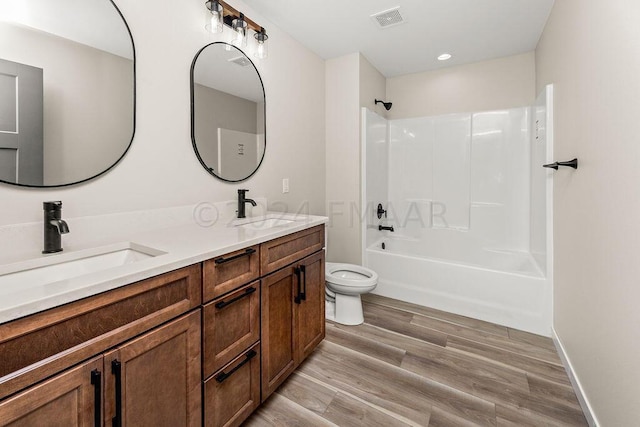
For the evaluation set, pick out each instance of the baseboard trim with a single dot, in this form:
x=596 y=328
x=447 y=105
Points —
x=575 y=382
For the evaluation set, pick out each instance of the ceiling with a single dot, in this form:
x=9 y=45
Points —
x=470 y=30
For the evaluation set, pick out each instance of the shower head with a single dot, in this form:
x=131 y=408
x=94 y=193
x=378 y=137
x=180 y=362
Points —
x=387 y=105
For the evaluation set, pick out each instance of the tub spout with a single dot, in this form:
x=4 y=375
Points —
x=382 y=227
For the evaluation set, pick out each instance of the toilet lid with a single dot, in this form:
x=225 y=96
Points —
x=350 y=275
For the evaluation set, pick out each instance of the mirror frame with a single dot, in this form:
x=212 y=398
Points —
x=193 y=116
x=133 y=123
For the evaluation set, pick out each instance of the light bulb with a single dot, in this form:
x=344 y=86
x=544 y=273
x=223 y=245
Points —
x=261 y=50
x=215 y=19
x=239 y=27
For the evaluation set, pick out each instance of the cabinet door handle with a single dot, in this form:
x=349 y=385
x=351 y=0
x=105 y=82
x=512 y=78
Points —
x=303 y=294
x=223 y=260
x=224 y=375
x=116 y=370
x=223 y=304
x=298 y=298
x=96 y=381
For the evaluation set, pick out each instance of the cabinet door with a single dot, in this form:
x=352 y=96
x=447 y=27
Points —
x=310 y=316
x=154 y=380
x=72 y=398
x=278 y=335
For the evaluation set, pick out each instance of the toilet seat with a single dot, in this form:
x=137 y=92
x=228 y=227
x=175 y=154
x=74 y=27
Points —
x=350 y=275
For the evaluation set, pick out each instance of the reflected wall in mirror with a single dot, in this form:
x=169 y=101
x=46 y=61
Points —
x=67 y=90
x=227 y=112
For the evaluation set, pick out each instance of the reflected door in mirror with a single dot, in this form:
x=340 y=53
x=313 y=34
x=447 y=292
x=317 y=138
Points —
x=21 y=149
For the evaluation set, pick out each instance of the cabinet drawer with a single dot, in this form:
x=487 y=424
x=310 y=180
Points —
x=234 y=392
x=288 y=249
x=227 y=272
x=230 y=325
x=45 y=343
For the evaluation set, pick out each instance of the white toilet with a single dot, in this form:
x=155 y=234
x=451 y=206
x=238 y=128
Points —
x=344 y=285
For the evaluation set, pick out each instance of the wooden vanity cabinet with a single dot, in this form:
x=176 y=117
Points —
x=293 y=317
x=229 y=331
x=50 y=360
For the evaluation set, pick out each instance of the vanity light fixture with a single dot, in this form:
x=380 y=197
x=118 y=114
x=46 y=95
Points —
x=444 y=57
x=220 y=14
x=261 y=37
x=215 y=19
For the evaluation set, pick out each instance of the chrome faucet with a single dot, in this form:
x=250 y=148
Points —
x=242 y=200
x=54 y=227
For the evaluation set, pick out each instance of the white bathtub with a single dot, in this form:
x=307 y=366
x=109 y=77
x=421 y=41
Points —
x=503 y=287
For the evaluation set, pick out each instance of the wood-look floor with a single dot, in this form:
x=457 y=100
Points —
x=412 y=365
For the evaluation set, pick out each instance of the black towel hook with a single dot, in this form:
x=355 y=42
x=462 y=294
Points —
x=571 y=163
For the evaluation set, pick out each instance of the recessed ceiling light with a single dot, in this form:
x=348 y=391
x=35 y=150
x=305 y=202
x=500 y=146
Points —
x=444 y=57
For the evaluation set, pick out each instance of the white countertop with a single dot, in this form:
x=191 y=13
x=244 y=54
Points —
x=184 y=245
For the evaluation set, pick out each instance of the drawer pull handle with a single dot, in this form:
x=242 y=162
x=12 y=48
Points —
x=116 y=370
x=224 y=375
x=298 y=298
x=223 y=304
x=96 y=381
x=303 y=294
x=223 y=260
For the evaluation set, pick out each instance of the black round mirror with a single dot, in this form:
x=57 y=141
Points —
x=227 y=112
x=67 y=91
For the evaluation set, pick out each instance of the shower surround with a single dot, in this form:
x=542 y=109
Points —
x=470 y=206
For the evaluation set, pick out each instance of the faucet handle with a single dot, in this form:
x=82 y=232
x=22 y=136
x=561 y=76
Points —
x=52 y=206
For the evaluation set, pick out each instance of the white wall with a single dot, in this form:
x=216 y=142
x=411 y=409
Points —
x=482 y=86
x=351 y=82
x=373 y=85
x=343 y=159
x=589 y=51
x=161 y=169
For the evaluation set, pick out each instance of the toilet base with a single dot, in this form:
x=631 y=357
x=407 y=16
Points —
x=346 y=310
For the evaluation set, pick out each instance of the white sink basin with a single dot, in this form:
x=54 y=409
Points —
x=54 y=268
x=265 y=222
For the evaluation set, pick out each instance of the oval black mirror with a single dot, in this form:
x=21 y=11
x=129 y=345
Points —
x=227 y=112
x=67 y=91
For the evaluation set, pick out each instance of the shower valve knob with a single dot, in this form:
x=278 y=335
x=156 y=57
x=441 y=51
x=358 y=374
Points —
x=381 y=211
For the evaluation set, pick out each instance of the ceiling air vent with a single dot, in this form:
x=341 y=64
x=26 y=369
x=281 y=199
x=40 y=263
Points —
x=388 y=18
x=243 y=61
